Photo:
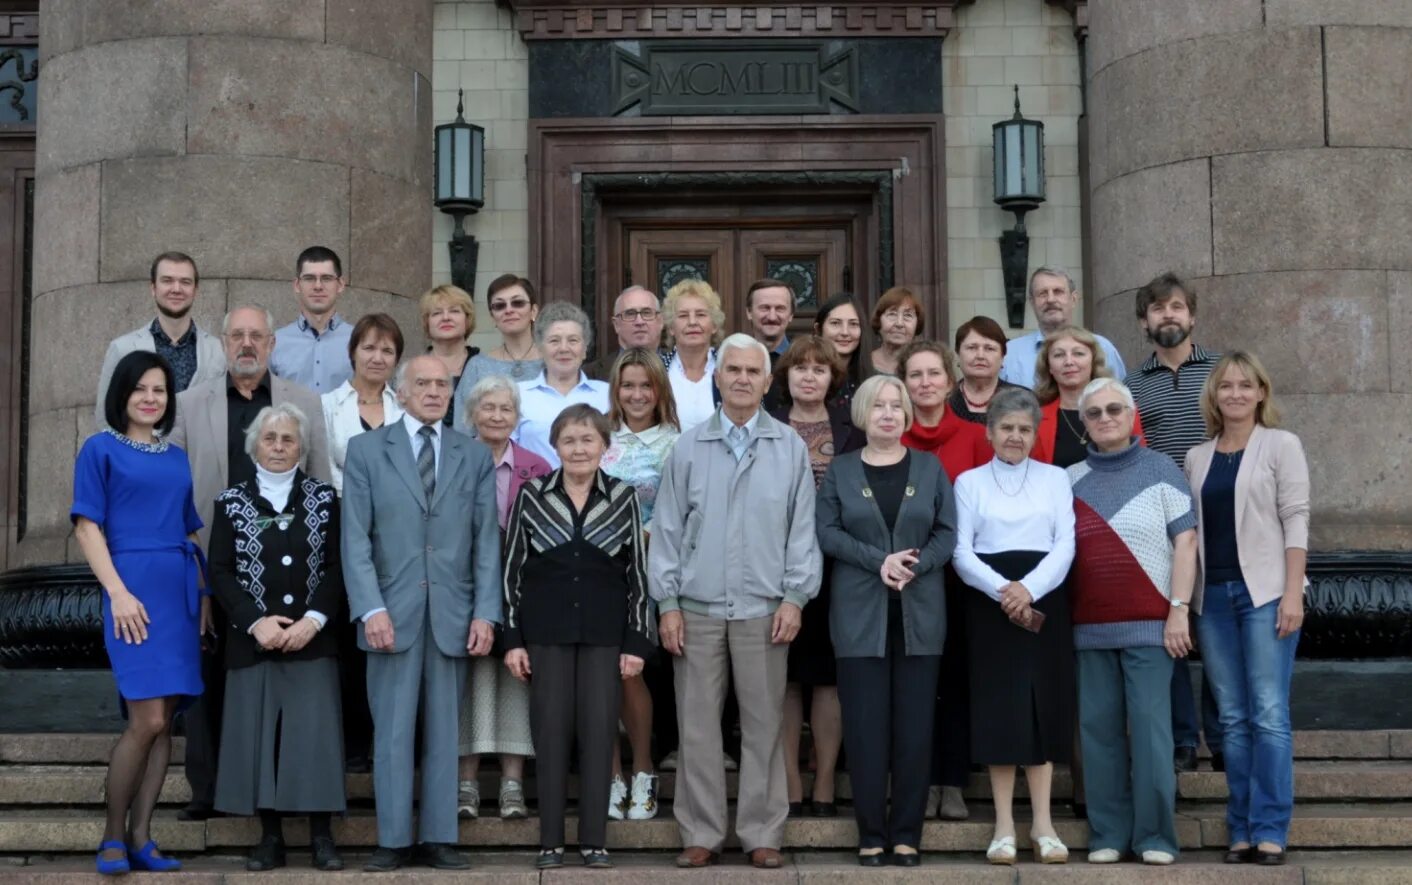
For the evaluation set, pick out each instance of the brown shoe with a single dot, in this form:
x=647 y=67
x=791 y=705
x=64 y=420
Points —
x=765 y=858
x=696 y=857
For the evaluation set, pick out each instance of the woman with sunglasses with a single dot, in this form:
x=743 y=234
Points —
x=514 y=307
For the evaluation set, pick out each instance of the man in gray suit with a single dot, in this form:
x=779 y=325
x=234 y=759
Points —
x=421 y=563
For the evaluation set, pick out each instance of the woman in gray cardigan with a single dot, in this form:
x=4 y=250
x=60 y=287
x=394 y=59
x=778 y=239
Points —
x=887 y=518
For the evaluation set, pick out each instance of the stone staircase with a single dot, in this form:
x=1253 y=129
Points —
x=1353 y=824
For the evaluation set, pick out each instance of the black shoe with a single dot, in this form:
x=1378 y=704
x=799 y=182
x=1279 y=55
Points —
x=385 y=860
x=906 y=860
x=823 y=809
x=549 y=859
x=1080 y=810
x=596 y=858
x=1240 y=855
x=268 y=855
x=440 y=856
x=325 y=854
x=872 y=860
x=358 y=765
x=1184 y=759
x=1269 y=858
x=196 y=811
x=1218 y=761
x=796 y=809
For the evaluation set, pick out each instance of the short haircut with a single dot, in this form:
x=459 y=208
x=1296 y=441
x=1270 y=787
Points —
x=1161 y=288
x=628 y=291
x=1046 y=389
x=318 y=255
x=857 y=367
x=742 y=341
x=948 y=359
x=767 y=283
x=899 y=297
x=485 y=387
x=1098 y=385
x=399 y=379
x=695 y=289
x=983 y=326
x=269 y=317
x=867 y=396
x=581 y=413
x=178 y=258
x=379 y=325
x=1267 y=414
x=285 y=411
x=563 y=312
x=447 y=295
x=808 y=349
x=1008 y=401
x=651 y=363
x=126 y=375
x=1051 y=271
x=509 y=281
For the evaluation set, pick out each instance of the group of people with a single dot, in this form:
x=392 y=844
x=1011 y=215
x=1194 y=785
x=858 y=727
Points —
x=316 y=548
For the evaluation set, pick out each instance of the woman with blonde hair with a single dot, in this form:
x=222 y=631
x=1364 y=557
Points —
x=1069 y=358
x=696 y=324
x=1250 y=483
x=448 y=319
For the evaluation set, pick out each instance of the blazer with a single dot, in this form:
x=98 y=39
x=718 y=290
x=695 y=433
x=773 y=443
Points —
x=852 y=531
x=528 y=466
x=1048 y=431
x=1271 y=509
x=210 y=361
x=846 y=437
x=258 y=570
x=343 y=422
x=201 y=429
x=436 y=560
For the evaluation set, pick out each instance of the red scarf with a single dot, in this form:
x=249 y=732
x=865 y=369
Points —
x=959 y=444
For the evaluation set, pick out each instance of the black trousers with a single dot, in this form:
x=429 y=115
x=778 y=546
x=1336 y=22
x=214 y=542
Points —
x=951 y=750
x=887 y=728
x=575 y=691
x=353 y=688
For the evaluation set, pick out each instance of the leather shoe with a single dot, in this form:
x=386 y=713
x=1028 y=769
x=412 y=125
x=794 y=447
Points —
x=1240 y=855
x=696 y=857
x=440 y=856
x=325 y=854
x=872 y=860
x=196 y=811
x=385 y=860
x=1269 y=858
x=765 y=858
x=267 y=855
x=823 y=809
x=1184 y=759
x=906 y=858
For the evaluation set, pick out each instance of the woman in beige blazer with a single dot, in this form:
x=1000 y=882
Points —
x=1251 y=486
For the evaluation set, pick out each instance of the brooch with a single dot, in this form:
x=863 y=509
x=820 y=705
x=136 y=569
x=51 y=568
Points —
x=523 y=473
x=911 y=490
x=867 y=492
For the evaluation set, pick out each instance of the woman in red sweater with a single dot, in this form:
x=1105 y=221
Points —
x=928 y=370
x=1068 y=359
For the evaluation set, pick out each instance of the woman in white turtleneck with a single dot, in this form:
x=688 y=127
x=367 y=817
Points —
x=275 y=571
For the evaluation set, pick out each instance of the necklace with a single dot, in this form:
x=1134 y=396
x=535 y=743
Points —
x=1023 y=479
x=1083 y=437
x=977 y=406
x=153 y=448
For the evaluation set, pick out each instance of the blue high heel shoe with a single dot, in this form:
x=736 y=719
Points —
x=142 y=859
x=115 y=867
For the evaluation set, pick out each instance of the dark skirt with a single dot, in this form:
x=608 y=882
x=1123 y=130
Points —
x=1022 y=683
x=811 y=658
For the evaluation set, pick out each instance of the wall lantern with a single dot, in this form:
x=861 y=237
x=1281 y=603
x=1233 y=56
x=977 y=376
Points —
x=1019 y=187
x=460 y=188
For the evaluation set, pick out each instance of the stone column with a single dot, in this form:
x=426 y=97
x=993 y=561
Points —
x=1262 y=149
x=238 y=132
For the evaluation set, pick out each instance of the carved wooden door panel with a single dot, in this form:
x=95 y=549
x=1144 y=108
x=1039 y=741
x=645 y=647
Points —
x=659 y=259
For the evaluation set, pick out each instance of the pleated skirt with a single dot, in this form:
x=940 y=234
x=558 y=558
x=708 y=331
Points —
x=282 y=739
x=495 y=711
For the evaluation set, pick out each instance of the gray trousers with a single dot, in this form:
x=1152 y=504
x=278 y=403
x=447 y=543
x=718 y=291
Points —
x=740 y=651
x=399 y=685
x=575 y=691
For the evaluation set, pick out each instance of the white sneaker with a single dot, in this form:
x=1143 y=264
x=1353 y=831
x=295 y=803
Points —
x=669 y=762
x=1158 y=858
x=468 y=800
x=643 y=805
x=617 y=797
x=1104 y=855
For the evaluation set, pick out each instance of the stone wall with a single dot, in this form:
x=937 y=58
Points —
x=476 y=48
x=1263 y=150
x=236 y=132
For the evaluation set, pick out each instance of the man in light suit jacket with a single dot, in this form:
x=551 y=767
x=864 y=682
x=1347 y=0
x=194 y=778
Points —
x=211 y=421
x=421 y=548
x=195 y=355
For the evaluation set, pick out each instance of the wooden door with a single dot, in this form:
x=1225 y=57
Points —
x=813 y=261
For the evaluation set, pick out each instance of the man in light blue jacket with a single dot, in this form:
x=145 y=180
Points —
x=733 y=561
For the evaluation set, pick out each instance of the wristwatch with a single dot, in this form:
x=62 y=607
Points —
x=1177 y=603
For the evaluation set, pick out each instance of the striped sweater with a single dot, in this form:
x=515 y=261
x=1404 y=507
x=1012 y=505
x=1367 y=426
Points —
x=1128 y=507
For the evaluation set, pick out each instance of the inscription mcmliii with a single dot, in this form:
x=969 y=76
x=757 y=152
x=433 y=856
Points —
x=743 y=77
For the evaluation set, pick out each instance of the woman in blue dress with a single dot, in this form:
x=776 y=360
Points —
x=136 y=523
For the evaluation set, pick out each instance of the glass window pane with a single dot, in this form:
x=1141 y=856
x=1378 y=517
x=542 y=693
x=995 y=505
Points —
x=462 y=188
x=1013 y=179
x=443 y=164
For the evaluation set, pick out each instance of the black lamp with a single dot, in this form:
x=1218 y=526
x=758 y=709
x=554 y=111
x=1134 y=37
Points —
x=1019 y=187
x=460 y=188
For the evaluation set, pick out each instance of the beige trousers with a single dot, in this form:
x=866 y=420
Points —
x=716 y=651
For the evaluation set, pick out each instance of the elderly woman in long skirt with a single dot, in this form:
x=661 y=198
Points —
x=275 y=569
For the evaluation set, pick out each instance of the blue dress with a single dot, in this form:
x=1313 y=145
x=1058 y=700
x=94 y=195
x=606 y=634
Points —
x=140 y=496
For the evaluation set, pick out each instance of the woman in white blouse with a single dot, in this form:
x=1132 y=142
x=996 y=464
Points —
x=366 y=401
x=697 y=324
x=1014 y=544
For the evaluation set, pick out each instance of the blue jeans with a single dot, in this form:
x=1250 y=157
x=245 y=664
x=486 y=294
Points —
x=1249 y=669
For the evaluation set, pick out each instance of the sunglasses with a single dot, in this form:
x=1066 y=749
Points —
x=502 y=306
x=1113 y=410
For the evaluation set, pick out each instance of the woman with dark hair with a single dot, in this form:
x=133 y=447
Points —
x=898 y=319
x=366 y=401
x=514 y=309
x=980 y=347
x=809 y=376
x=136 y=524
x=840 y=322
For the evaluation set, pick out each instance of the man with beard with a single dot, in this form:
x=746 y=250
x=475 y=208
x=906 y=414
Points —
x=195 y=356
x=211 y=421
x=1053 y=297
x=770 y=306
x=637 y=320
x=313 y=350
x=1167 y=389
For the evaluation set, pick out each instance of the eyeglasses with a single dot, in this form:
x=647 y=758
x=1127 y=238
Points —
x=252 y=337
x=1113 y=410
x=309 y=279
x=632 y=316
x=502 y=306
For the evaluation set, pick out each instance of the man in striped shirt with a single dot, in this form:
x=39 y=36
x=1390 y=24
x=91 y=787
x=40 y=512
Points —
x=1167 y=388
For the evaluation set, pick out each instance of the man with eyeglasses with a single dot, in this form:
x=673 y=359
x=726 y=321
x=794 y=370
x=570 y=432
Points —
x=313 y=350
x=194 y=354
x=637 y=320
x=211 y=421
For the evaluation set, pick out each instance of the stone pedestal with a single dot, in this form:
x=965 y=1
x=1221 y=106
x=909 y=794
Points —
x=238 y=132
x=1262 y=149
